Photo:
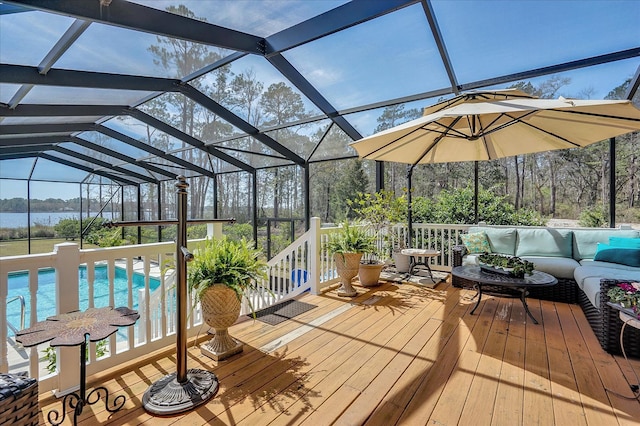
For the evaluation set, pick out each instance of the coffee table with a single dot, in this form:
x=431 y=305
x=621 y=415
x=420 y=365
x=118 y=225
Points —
x=504 y=285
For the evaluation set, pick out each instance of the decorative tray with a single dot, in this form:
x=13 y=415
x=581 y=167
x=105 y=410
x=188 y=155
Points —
x=493 y=270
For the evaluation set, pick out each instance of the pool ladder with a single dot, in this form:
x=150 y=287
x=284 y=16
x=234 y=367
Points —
x=22 y=309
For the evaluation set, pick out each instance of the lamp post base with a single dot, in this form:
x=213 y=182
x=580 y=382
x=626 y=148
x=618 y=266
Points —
x=167 y=396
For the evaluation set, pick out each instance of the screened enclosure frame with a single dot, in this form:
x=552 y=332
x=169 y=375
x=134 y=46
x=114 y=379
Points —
x=54 y=141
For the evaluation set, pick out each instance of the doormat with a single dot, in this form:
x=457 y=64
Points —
x=280 y=312
x=421 y=279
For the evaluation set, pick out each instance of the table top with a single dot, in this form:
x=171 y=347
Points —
x=474 y=273
x=420 y=252
x=626 y=315
x=72 y=328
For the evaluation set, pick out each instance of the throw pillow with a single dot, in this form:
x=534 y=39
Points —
x=476 y=242
x=621 y=255
x=624 y=242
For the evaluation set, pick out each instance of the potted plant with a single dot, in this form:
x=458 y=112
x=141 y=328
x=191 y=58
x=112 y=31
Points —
x=347 y=246
x=504 y=264
x=380 y=211
x=222 y=272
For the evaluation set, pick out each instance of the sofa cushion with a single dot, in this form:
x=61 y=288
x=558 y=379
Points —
x=476 y=242
x=501 y=240
x=624 y=242
x=546 y=242
x=559 y=267
x=586 y=240
x=588 y=279
x=595 y=263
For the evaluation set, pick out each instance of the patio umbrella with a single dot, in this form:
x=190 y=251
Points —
x=486 y=125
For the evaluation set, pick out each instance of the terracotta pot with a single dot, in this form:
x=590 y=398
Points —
x=347 y=265
x=220 y=310
x=369 y=274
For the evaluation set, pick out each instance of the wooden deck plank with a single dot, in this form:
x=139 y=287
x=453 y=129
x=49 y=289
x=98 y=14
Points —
x=456 y=390
x=414 y=356
x=508 y=408
x=567 y=405
x=482 y=394
x=592 y=393
x=236 y=410
x=407 y=345
x=400 y=395
x=387 y=348
x=627 y=411
x=537 y=406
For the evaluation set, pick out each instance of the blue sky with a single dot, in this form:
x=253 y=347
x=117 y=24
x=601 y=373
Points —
x=390 y=57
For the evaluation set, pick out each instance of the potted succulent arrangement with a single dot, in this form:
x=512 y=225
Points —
x=505 y=264
x=222 y=273
x=627 y=294
x=380 y=211
x=347 y=245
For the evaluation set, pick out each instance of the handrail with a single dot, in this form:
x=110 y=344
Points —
x=22 y=309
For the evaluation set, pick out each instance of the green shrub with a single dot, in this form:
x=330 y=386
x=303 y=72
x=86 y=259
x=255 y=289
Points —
x=593 y=217
x=68 y=228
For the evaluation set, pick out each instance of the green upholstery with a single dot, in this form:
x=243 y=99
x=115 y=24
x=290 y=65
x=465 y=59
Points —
x=585 y=241
x=544 y=242
x=501 y=240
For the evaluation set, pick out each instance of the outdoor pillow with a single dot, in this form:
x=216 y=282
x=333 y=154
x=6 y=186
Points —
x=476 y=242
x=622 y=255
x=624 y=242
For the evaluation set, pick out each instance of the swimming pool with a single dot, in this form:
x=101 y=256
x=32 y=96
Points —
x=19 y=286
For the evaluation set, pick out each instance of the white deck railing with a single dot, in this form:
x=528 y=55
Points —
x=305 y=265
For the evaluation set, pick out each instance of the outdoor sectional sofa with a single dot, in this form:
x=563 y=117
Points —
x=568 y=254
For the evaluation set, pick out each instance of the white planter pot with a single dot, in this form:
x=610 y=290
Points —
x=402 y=262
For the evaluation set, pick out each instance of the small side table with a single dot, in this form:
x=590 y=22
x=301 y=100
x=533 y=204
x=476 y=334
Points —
x=628 y=317
x=72 y=329
x=425 y=254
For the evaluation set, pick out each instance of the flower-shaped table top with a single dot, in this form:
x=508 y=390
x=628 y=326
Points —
x=70 y=329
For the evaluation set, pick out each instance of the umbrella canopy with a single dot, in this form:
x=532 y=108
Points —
x=486 y=125
x=480 y=126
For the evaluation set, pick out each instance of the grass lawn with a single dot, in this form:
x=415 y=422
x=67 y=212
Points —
x=20 y=247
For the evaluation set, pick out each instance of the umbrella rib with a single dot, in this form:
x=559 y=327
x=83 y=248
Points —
x=513 y=121
x=391 y=142
x=436 y=140
x=592 y=114
x=552 y=134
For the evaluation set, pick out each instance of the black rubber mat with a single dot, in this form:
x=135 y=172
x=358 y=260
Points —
x=282 y=311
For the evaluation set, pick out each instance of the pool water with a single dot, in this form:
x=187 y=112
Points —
x=46 y=294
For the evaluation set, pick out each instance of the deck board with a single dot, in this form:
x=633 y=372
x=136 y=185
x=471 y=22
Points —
x=395 y=355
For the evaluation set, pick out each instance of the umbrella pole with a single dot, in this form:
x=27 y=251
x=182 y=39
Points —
x=409 y=209
x=475 y=192
x=185 y=389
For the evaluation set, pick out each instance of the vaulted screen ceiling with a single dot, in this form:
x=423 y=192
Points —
x=103 y=86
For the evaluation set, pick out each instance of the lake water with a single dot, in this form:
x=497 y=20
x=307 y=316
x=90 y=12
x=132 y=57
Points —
x=19 y=220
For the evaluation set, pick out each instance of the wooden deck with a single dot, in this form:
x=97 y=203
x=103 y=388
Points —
x=397 y=354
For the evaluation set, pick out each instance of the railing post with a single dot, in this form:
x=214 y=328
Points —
x=314 y=255
x=67 y=300
x=214 y=230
